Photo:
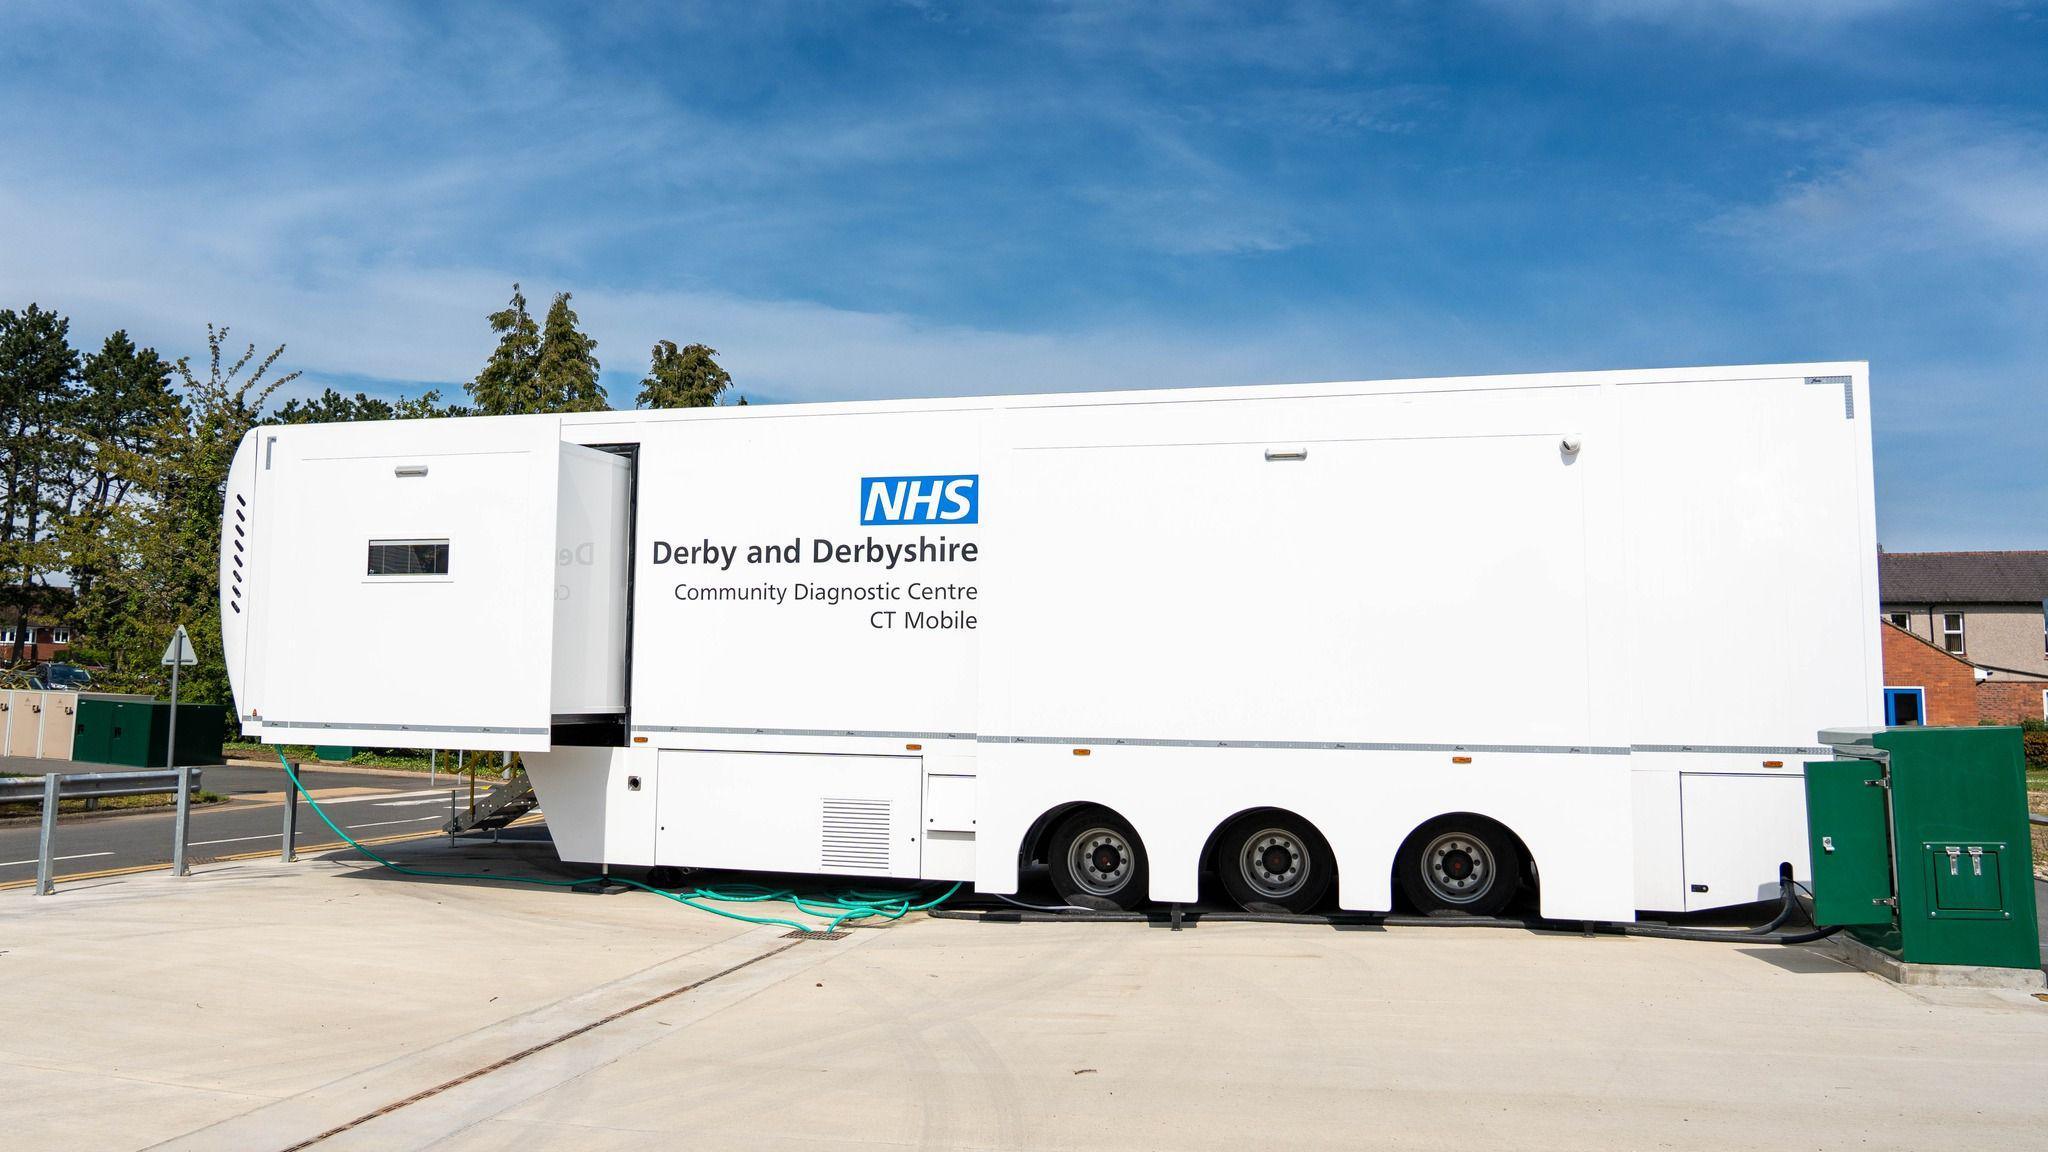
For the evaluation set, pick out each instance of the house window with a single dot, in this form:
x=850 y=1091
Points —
x=1900 y=620
x=408 y=558
x=1952 y=631
x=60 y=635
x=6 y=635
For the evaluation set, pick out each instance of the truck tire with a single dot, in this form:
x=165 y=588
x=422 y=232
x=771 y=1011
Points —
x=1274 y=862
x=1460 y=866
x=1097 y=862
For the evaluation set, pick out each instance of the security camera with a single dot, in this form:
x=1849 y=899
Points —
x=1570 y=444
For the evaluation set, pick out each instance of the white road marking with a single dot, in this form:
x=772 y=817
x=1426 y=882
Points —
x=380 y=796
x=234 y=839
x=382 y=823
x=80 y=856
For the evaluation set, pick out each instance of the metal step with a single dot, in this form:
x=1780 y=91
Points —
x=498 y=807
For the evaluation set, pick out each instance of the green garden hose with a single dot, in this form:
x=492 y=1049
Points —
x=835 y=908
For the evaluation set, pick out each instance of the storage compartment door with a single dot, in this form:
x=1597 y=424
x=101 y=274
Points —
x=1738 y=829
x=789 y=812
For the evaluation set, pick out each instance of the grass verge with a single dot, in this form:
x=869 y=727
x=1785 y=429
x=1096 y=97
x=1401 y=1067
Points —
x=108 y=804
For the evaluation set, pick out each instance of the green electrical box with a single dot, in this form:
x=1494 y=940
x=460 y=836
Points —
x=92 y=733
x=1919 y=844
x=134 y=733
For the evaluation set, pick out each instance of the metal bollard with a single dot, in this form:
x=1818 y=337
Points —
x=183 y=830
x=46 y=883
x=288 y=840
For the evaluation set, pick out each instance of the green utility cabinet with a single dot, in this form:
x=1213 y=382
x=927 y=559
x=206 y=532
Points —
x=1919 y=844
x=133 y=732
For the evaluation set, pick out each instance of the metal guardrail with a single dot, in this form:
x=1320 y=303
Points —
x=93 y=785
x=59 y=786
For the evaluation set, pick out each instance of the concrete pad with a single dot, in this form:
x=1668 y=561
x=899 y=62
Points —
x=260 y=1006
x=1857 y=954
x=145 y=1007
x=955 y=1035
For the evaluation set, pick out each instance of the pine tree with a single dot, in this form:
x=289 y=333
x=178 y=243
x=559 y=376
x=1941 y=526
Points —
x=683 y=378
x=566 y=373
x=508 y=383
x=119 y=420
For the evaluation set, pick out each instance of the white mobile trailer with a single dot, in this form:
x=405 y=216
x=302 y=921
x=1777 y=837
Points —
x=1429 y=634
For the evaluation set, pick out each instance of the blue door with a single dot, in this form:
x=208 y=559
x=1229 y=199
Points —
x=1903 y=706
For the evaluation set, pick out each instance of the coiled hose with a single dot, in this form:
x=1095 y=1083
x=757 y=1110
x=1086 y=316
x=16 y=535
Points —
x=835 y=908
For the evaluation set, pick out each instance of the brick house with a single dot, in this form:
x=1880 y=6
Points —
x=1986 y=612
x=38 y=641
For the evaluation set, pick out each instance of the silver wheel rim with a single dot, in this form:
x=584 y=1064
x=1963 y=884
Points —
x=1458 y=868
x=1100 y=861
x=1274 y=862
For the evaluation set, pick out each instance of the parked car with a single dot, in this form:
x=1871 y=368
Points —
x=55 y=677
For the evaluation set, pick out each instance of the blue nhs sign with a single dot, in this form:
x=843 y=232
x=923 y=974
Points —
x=919 y=499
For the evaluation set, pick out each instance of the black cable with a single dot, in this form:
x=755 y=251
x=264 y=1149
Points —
x=1761 y=934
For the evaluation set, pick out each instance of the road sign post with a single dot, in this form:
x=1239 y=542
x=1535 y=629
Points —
x=177 y=655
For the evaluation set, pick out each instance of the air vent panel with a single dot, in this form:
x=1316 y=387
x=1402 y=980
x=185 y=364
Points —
x=855 y=835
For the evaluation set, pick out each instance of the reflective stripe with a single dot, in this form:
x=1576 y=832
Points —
x=1147 y=742
x=319 y=725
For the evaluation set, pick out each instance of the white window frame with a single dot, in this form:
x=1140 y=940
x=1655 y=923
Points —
x=1962 y=644
x=1900 y=620
x=6 y=635
x=60 y=635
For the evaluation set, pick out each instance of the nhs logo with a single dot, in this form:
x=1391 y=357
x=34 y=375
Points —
x=919 y=499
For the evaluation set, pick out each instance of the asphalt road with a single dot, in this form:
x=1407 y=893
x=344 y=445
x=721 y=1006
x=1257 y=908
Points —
x=250 y=820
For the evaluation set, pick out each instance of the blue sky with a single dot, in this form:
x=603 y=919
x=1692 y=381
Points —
x=855 y=200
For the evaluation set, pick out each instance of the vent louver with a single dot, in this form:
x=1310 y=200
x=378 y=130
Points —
x=856 y=835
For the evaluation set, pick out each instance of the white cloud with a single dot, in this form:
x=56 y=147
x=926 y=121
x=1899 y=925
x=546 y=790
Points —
x=1705 y=13
x=110 y=260
x=1918 y=184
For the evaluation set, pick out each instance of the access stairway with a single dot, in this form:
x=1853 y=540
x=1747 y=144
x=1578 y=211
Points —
x=498 y=807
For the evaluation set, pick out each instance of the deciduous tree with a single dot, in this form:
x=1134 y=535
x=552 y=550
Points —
x=38 y=390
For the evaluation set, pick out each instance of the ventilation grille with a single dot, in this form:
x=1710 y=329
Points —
x=241 y=534
x=856 y=836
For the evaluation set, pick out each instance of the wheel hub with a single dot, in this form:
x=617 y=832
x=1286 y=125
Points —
x=1275 y=863
x=1101 y=861
x=1458 y=868
x=1105 y=859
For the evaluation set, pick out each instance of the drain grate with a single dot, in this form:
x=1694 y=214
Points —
x=795 y=934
